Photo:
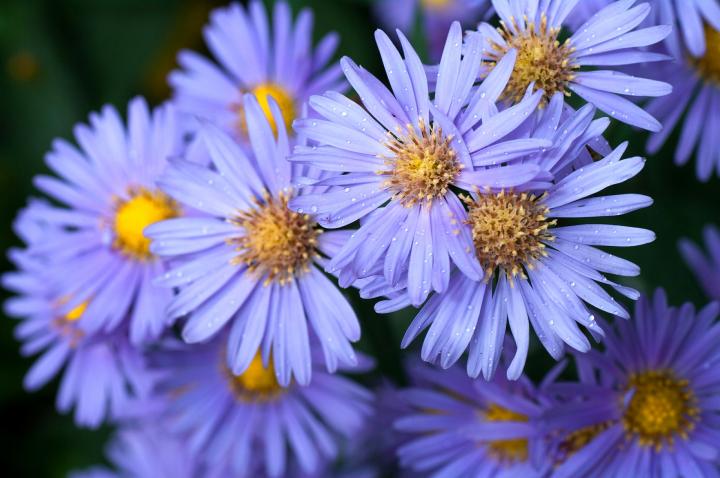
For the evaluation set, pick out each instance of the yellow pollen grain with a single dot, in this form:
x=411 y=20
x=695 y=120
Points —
x=506 y=451
x=424 y=164
x=132 y=216
x=662 y=408
x=66 y=324
x=76 y=312
x=257 y=383
x=709 y=65
x=541 y=58
x=508 y=231
x=282 y=97
x=277 y=242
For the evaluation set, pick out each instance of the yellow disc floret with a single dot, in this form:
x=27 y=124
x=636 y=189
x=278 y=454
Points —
x=709 y=64
x=132 y=216
x=66 y=325
x=541 y=59
x=662 y=408
x=277 y=242
x=424 y=165
x=257 y=383
x=506 y=451
x=508 y=231
x=263 y=92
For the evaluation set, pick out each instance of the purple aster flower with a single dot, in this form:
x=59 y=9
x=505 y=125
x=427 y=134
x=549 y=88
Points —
x=648 y=405
x=249 y=422
x=437 y=16
x=607 y=39
x=248 y=260
x=694 y=108
x=103 y=373
x=108 y=186
x=406 y=152
x=278 y=63
x=462 y=427
x=537 y=271
x=706 y=268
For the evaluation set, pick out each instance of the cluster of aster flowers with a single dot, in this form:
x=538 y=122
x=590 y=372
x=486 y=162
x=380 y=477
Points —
x=185 y=272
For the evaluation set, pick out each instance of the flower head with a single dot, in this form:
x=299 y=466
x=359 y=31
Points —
x=545 y=61
x=459 y=427
x=108 y=188
x=396 y=162
x=246 y=260
x=101 y=373
x=249 y=422
x=537 y=270
x=277 y=63
x=648 y=398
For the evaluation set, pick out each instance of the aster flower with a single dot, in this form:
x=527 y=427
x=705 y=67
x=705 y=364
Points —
x=437 y=16
x=278 y=63
x=706 y=268
x=101 y=374
x=248 y=260
x=460 y=427
x=108 y=186
x=694 y=109
x=406 y=152
x=647 y=406
x=608 y=38
x=249 y=422
x=537 y=271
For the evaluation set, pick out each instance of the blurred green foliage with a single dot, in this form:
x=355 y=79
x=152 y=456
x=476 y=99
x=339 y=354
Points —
x=61 y=59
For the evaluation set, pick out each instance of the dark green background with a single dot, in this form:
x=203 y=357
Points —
x=61 y=59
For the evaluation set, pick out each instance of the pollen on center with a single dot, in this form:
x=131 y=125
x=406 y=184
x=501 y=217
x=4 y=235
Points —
x=277 y=242
x=424 y=164
x=541 y=59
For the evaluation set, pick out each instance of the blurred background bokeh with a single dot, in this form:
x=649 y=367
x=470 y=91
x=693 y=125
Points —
x=60 y=60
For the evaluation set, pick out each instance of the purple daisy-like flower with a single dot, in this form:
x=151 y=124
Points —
x=278 y=63
x=459 y=427
x=706 y=268
x=249 y=422
x=436 y=15
x=694 y=109
x=607 y=39
x=247 y=260
x=103 y=373
x=648 y=405
x=536 y=271
x=108 y=186
x=394 y=162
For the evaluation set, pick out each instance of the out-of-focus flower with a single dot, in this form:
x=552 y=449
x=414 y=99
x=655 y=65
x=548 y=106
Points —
x=108 y=186
x=248 y=422
x=536 y=271
x=436 y=17
x=647 y=406
x=248 y=260
x=608 y=39
x=706 y=268
x=278 y=63
x=395 y=163
x=457 y=426
x=694 y=108
x=103 y=374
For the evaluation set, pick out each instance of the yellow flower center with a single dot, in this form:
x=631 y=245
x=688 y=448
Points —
x=278 y=242
x=507 y=451
x=435 y=4
x=282 y=97
x=662 y=407
x=257 y=383
x=541 y=58
x=132 y=217
x=424 y=165
x=709 y=65
x=577 y=440
x=76 y=312
x=508 y=231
